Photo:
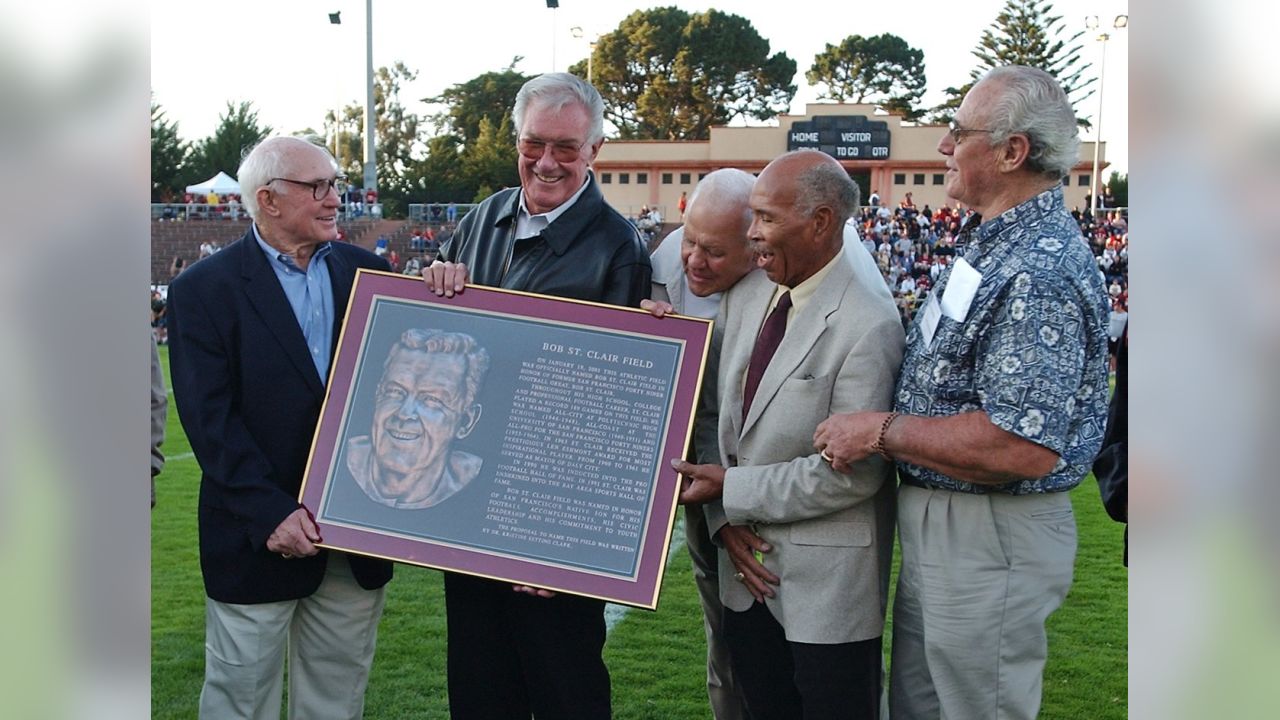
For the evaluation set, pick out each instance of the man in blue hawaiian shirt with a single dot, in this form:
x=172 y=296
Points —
x=999 y=411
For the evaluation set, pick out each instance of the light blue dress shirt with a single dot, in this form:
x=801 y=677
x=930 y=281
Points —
x=310 y=294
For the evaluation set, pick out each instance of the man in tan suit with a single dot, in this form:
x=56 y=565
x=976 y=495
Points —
x=805 y=550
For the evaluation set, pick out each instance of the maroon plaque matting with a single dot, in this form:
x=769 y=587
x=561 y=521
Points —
x=508 y=435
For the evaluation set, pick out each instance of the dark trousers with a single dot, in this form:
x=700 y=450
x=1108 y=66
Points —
x=512 y=655
x=786 y=680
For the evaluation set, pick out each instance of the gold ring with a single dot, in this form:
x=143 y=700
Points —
x=286 y=556
x=739 y=577
x=827 y=456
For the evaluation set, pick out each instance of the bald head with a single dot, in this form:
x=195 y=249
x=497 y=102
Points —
x=274 y=157
x=714 y=250
x=800 y=204
x=822 y=182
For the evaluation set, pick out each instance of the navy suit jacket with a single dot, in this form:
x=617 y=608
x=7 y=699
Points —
x=248 y=395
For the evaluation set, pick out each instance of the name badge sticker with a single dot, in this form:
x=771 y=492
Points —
x=961 y=288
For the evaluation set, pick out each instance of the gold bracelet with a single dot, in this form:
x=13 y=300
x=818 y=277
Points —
x=884 y=428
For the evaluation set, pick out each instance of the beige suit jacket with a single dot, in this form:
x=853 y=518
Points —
x=832 y=533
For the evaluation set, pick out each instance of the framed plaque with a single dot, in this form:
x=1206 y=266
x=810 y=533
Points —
x=512 y=436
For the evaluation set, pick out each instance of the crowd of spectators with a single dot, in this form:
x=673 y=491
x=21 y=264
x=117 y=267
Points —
x=357 y=202
x=211 y=198
x=913 y=245
x=648 y=222
x=1109 y=240
x=424 y=246
x=197 y=206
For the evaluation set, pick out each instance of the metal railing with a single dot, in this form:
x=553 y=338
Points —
x=197 y=211
x=235 y=211
x=438 y=212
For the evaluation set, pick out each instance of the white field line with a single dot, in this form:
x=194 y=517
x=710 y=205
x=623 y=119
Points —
x=614 y=614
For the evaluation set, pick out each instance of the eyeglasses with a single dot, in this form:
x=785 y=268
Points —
x=320 y=188
x=958 y=132
x=564 y=152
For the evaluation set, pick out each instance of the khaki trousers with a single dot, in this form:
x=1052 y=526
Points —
x=329 y=637
x=980 y=574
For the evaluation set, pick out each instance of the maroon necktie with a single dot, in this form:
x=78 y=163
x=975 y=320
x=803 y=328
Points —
x=766 y=345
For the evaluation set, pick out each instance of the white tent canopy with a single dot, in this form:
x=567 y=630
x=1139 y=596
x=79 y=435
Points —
x=222 y=184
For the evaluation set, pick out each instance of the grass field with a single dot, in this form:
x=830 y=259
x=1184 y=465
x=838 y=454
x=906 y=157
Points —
x=656 y=659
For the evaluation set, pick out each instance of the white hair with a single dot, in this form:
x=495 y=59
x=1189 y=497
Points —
x=266 y=160
x=725 y=187
x=1031 y=101
x=556 y=90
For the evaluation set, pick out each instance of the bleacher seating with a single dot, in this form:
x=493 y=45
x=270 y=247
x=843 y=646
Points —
x=182 y=239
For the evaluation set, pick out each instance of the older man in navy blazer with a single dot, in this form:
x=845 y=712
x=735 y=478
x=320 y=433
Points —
x=252 y=332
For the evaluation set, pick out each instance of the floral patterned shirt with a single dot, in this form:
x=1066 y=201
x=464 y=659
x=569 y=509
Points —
x=1031 y=351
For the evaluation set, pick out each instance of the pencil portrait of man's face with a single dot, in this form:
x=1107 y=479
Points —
x=425 y=400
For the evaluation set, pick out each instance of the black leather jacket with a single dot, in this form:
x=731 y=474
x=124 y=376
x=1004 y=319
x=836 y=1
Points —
x=591 y=252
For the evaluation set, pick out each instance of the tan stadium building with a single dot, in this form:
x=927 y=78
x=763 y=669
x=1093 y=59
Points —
x=879 y=152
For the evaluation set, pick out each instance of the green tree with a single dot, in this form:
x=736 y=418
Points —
x=344 y=136
x=169 y=153
x=475 y=154
x=489 y=163
x=237 y=131
x=1025 y=32
x=485 y=97
x=625 y=62
x=882 y=69
x=397 y=139
x=1119 y=186
x=439 y=177
x=668 y=75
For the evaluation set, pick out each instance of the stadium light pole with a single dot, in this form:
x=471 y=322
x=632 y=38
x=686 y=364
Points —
x=579 y=33
x=370 y=157
x=1091 y=21
x=370 y=150
x=335 y=18
x=553 y=4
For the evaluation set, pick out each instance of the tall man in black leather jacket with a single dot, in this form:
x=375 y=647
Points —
x=516 y=651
